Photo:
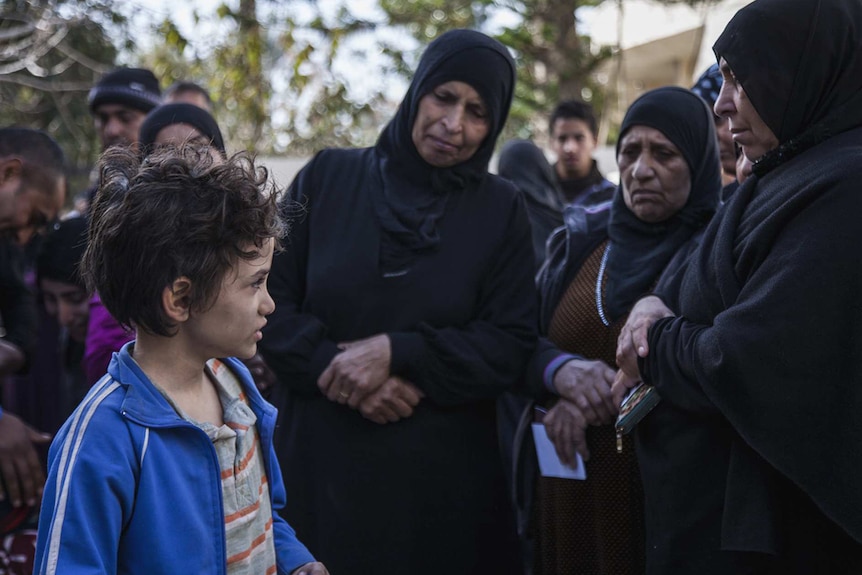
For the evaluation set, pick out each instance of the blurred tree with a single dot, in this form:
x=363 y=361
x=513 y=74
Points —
x=301 y=46
x=553 y=60
x=232 y=62
x=51 y=53
x=283 y=73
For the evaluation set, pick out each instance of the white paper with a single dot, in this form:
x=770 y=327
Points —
x=549 y=463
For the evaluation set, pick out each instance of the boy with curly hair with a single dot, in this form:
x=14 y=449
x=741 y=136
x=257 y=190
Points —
x=167 y=466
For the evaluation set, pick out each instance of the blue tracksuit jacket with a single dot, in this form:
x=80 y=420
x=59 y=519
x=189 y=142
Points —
x=134 y=489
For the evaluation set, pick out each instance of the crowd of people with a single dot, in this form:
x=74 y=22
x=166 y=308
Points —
x=355 y=375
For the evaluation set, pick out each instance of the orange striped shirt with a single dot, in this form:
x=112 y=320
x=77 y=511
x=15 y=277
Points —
x=245 y=488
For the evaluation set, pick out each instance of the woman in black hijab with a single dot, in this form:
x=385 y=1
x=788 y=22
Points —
x=524 y=164
x=598 y=266
x=751 y=461
x=404 y=308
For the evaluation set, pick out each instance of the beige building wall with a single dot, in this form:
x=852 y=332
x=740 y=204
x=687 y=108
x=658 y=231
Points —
x=660 y=45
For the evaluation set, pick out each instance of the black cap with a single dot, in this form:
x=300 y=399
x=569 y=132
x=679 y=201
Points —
x=180 y=113
x=136 y=88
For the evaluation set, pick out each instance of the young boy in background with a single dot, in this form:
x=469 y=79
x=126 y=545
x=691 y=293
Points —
x=167 y=465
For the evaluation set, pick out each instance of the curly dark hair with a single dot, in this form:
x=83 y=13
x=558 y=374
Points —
x=180 y=212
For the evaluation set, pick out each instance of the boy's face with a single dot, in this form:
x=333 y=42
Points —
x=573 y=142
x=231 y=327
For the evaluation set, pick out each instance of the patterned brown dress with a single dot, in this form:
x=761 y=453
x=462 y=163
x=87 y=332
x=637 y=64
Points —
x=594 y=526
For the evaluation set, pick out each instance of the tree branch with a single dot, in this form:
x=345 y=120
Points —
x=46 y=85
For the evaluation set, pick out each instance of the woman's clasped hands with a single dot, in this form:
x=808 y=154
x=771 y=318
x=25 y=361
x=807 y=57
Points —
x=359 y=377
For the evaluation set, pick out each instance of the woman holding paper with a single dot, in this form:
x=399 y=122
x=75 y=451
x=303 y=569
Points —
x=598 y=264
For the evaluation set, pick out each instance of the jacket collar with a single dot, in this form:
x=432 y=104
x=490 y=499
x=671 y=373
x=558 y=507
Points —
x=146 y=404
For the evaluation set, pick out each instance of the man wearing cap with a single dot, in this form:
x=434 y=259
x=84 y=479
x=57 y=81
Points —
x=119 y=103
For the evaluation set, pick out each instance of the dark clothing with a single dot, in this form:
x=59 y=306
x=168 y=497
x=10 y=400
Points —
x=577 y=543
x=424 y=495
x=594 y=526
x=17 y=305
x=769 y=311
x=641 y=250
x=524 y=164
x=410 y=195
x=770 y=47
x=754 y=446
x=526 y=167
x=439 y=259
x=591 y=190
x=598 y=266
x=728 y=191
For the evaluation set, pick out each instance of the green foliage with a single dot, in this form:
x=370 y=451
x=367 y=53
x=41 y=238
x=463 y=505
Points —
x=233 y=68
x=276 y=68
x=553 y=60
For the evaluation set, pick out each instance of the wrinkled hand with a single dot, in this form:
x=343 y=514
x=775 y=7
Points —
x=567 y=429
x=394 y=400
x=263 y=377
x=587 y=384
x=315 y=568
x=632 y=342
x=358 y=371
x=622 y=385
x=19 y=462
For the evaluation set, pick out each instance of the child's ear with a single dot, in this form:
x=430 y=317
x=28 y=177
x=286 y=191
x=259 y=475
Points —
x=176 y=299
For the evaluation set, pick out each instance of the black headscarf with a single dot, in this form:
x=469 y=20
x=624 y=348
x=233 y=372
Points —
x=525 y=165
x=641 y=250
x=179 y=113
x=798 y=63
x=410 y=195
x=61 y=251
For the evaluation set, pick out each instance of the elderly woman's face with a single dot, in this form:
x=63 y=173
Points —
x=746 y=126
x=655 y=176
x=451 y=123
